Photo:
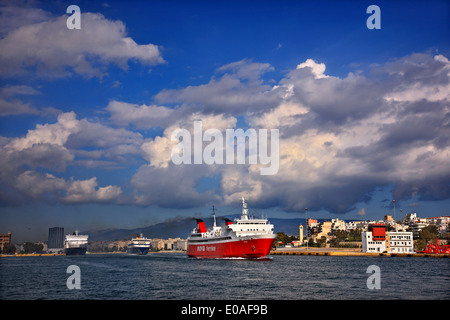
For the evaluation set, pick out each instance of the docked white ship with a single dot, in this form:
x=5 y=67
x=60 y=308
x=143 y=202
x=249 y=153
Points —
x=75 y=244
x=139 y=245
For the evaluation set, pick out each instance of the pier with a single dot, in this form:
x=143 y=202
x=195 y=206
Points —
x=349 y=253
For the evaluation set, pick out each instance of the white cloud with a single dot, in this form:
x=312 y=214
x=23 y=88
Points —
x=35 y=184
x=238 y=89
x=54 y=147
x=285 y=115
x=361 y=212
x=10 y=104
x=56 y=133
x=46 y=186
x=18 y=13
x=142 y=116
x=318 y=69
x=416 y=89
x=340 y=139
x=45 y=43
x=87 y=191
x=158 y=151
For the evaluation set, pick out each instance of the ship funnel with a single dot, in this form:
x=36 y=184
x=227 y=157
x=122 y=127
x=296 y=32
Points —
x=227 y=221
x=200 y=226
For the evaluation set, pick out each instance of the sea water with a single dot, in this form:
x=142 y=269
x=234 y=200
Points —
x=174 y=276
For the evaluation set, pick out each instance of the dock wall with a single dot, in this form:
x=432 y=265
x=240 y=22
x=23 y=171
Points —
x=343 y=253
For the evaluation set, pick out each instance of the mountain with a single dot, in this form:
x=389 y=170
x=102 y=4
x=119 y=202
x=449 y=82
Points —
x=181 y=227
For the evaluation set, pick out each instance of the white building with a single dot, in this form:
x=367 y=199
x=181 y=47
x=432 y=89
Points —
x=352 y=225
x=180 y=244
x=377 y=240
x=441 y=223
x=338 y=224
x=370 y=245
x=399 y=242
x=374 y=239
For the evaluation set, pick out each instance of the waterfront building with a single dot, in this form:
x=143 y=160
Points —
x=441 y=223
x=352 y=225
x=377 y=240
x=180 y=244
x=399 y=242
x=389 y=221
x=374 y=239
x=5 y=240
x=55 y=242
x=157 y=244
x=417 y=226
x=312 y=222
x=338 y=224
x=168 y=244
x=324 y=229
x=175 y=244
x=410 y=218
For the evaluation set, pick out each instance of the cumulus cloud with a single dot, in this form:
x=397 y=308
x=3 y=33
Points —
x=87 y=191
x=317 y=69
x=46 y=186
x=56 y=134
x=237 y=88
x=11 y=105
x=43 y=42
x=158 y=151
x=32 y=167
x=141 y=116
x=341 y=138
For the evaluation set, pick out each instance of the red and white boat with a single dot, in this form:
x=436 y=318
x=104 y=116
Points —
x=246 y=237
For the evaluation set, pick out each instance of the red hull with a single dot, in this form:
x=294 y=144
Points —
x=240 y=248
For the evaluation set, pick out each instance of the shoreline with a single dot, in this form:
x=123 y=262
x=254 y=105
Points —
x=345 y=252
x=341 y=252
x=87 y=253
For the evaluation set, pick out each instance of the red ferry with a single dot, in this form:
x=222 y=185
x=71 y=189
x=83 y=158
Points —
x=246 y=237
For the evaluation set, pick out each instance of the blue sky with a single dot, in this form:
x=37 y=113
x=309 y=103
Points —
x=86 y=115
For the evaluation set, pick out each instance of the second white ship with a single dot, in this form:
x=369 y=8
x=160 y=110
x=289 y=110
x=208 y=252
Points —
x=138 y=245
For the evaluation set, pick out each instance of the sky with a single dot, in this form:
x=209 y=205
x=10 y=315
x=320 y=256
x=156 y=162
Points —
x=87 y=115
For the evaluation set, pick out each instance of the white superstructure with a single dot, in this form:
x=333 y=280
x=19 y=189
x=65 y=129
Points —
x=248 y=226
x=139 y=245
x=75 y=244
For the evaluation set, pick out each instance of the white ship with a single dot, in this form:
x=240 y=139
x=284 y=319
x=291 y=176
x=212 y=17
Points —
x=75 y=244
x=138 y=245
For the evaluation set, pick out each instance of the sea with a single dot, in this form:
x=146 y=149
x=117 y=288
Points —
x=179 y=287
x=176 y=277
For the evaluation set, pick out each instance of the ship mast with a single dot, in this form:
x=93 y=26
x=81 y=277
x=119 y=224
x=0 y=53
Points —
x=214 y=215
x=244 y=210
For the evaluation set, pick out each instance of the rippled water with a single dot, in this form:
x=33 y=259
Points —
x=169 y=276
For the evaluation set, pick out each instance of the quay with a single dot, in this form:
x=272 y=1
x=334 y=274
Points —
x=32 y=255
x=349 y=252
